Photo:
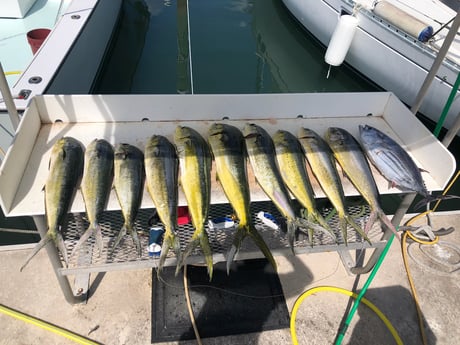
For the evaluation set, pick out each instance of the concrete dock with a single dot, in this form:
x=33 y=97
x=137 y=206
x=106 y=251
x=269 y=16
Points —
x=119 y=308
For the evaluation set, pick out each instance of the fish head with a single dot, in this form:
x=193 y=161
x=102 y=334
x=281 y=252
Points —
x=336 y=136
x=218 y=132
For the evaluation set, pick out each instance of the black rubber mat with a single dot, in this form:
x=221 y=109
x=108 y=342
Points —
x=248 y=300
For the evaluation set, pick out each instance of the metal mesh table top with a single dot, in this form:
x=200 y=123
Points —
x=125 y=255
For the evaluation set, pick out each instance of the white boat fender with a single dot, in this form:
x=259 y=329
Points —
x=403 y=20
x=341 y=40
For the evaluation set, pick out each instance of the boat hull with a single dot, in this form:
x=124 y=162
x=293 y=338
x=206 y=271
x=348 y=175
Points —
x=394 y=61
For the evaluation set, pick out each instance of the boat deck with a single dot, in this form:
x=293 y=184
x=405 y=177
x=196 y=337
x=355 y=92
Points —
x=15 y=51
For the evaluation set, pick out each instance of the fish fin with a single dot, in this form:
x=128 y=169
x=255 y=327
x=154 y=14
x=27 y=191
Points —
x=260 y=242
x=170 y=241
x=343 y=228
x=292 y=226
x=311 y=225
x=249 y=230
x=43 y=242
x=430 y=198
x=357 y=228
x=370 y=222
x=423 y=170
x=384 y=219
x=206 y=248
x=62 y=248
x=198 y=240
x=99 y=241
x=87 y=234
x=241 y=233
x=136 y=241
x=119 y=237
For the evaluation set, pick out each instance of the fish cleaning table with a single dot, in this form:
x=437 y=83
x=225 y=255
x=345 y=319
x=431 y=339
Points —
x=134 y=118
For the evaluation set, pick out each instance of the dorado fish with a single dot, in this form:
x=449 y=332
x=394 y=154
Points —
x=195 y=177
x=95 y=187
x=354 y=163
x=395 y=164
x=162 y=168
x=261 y=153
x=65 y=169
x=291 y=163
x=227 y=145
x=129 y=185
x=322 y=163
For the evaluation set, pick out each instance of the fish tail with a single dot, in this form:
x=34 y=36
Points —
x=370 y=222
x=206 y=248
x=292 y=225
x=200 y=239
x=260 y=242
x=357 y=228
x=315 y=222
x=123 y=231
x=59 y=241
x=43 y=242
x=384 y=219
x=242 y=231
x=96 y=229
x=170 y=241
x=99 y=241
x=343 y=228
x=430 y=198
x=136 y=240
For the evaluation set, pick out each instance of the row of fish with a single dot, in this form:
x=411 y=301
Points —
x=278 y=164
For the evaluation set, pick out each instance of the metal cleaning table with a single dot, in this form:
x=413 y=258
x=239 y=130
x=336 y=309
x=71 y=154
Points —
x=134 y=118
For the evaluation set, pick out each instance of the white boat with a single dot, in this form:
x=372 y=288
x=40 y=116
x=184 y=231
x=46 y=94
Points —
x=69 y=59
x=385 y=48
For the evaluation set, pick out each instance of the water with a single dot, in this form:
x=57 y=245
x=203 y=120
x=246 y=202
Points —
x=252 y=46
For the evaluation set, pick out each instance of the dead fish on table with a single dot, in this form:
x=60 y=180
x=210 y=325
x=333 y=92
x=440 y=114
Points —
x=227 y=145
x=322 y=163
x=353 y=161
x=162 y=168
x=291 y=163
x=395 y=164
x=195 y=177
x=129 y=185
x=261 y=153
x=65 y=170
x=96 y=185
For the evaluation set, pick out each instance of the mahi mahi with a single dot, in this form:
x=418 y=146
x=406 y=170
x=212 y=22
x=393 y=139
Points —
x=322 y=163
x=65 y=170
x=354 y=163
x=129 y=186
x=291 y=163
x=227 y=145
x=195 y=177
x=162 y=168
x=95 y=187
x=261 y=153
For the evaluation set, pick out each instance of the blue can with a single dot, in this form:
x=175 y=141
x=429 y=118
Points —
x=155 y=241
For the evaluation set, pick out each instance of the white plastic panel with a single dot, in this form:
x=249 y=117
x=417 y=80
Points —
x=119 y=118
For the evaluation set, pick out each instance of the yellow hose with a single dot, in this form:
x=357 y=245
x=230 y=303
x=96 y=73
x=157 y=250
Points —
x=369 y=304
x=47 y=326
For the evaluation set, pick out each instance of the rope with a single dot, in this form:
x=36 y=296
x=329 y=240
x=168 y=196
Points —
x=189 y=307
